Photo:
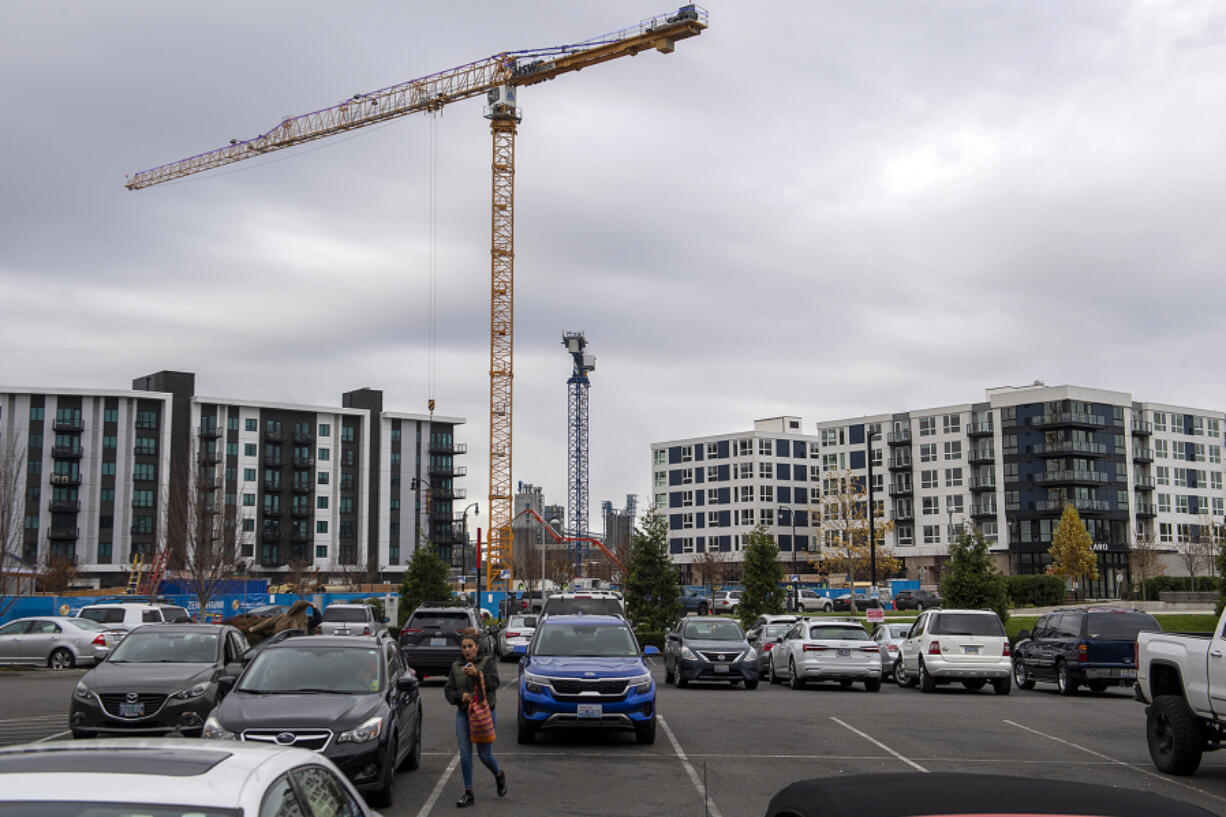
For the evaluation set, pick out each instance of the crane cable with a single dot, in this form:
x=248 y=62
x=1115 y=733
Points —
x=432 y=251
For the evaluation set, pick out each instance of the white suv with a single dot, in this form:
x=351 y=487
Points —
x=955 y=645
x=130 y=615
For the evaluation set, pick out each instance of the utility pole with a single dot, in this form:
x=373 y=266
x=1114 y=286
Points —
x=872 y=513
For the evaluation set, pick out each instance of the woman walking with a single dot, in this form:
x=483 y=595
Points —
x=463 y=682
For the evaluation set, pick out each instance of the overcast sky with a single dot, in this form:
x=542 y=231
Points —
x=823 y=209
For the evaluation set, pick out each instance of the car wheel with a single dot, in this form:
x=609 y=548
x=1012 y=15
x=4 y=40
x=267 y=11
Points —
x=771 y=675
x=793 y=676
x=872 y=685
x=751 y=684
x=61 y=658
x=1175 y=736
x=681 y=682
x=413 y=759
x=926 y=681
x=668 y=674
x=1021 y=676
x=645 y=733
x=1001 y=685
x=524 y=733
x=732 y=611
x=385 y=795
x=845 y=684
x=1064 y=682
x=900 y=675
x=919 y=607
x=974 y=683
x=828 y=608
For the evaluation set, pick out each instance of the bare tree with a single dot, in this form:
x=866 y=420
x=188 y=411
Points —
x=12 y=516
x=527 y=556
x=1143 y=559
x=710 y=568
x=57 y=575
x=559 y=568
x=1196 y=553
x=303 y=576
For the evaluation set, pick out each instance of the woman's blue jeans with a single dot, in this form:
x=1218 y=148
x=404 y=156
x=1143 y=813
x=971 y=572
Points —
x=485 y=751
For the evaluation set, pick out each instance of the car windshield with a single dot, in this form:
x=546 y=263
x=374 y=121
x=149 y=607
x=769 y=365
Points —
x=521 y=622
x=85 y=624
x=967 y=624
x=160 y=647
x=77 y=808
x=335 y=613
x=840 y=632
x=713 y=631
x=608 y=641
x=322 y=670
x=1120 y=626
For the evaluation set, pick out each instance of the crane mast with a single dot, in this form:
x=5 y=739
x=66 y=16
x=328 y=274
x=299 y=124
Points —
x=578 y=387
x=496 y=76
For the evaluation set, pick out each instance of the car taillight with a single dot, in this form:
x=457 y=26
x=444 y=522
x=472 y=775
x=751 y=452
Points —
x=1083 y=653
x=411 y=630
x=815 y=648
x=873 y=648
x=366 y=631
x=769 y=644
x=1007 y=651
x=934 y=648
x=891 y=647
x=99 y=640
x=512 y=635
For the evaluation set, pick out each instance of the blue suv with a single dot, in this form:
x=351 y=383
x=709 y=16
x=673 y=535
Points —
x=586 y=671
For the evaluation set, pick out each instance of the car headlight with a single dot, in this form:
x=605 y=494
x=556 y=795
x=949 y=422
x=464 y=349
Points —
x=688 y=654
x=749 y=655
x=535 y=683
x=194 y=692
x=213 y=730
x=82 y=691
x=368 y=730
x=641 y=684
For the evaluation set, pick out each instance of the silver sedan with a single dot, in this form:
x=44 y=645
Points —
x=513 y=638
x=58 y=642
x=890 y=637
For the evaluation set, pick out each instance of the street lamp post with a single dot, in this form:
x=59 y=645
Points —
x=474 y=507
x=795 y=589
x=872 y=522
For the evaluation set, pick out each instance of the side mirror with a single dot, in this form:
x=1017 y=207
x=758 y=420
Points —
x=1022 y=635
x=386 y=619
x=226 y=683
x=651 y=649
x=246 y=657
x=779 y=639
x=672 y=637
x=407 y=683
x=751 y=638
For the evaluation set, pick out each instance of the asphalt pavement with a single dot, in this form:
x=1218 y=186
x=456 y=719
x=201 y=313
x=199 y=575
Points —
x=724 y=751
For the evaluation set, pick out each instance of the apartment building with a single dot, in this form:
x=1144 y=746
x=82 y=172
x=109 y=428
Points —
x=715 y=490
x=107 y=475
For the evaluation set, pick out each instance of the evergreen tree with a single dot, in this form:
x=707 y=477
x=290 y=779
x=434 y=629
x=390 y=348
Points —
x=972 y=581
x=763 y=573
x=1072 y=552
x=652 y=591
x=425 y=580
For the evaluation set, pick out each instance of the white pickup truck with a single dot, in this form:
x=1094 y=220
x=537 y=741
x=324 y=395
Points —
x=1182 y=676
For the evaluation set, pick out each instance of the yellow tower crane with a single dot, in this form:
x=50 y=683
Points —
x=497 y=77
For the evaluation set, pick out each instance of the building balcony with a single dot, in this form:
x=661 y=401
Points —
x=1142 y=429
x=983 y=483
x=902 y=515
x=1145 y=509
x=899 y=437
x=65 y=479
x=1082 y=505
x=141 y=530
x=274 y=436
x=66 y=452
x=273 y=510
x=1144 y=483
x=1065 y=447
x=1069 y=418
x=301 y=487
x=69 y=425
x=304 y=437
x=452 y=470
x=982 y=509
x=304 y=462
x=1142 y=455
x=977 y=456
x=64 y=506
x=270 y=557
x=269 y=485
x=206 y=457
x=299 y=537
x=980 y=430
x=274 y=462
x=68 y=555
x=210 y=433
x=449 y=493
x=901 y=490
x=63 y=534
x=302 y=510
x=448 y=448
x=900 y=463
x=273 y=535
x=1085 y=477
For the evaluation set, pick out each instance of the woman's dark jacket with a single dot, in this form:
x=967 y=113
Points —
x=458 y=681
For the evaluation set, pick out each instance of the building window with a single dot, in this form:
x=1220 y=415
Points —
x=744 y=447
x=1164 y=528
x=712 y=473
x=146 y=445
x=36 y=414
x=250 y=450
x=661 y=501
x=712 y=496
x=1160 y=449
x=687 y=499
x=324 y=454
x=1163 y=473
x=712 y=519
x=348 y=433
x=110 y=416
x=766 y=470
x=953 y=477
x=906 y=536
x=953 y=503
x=766 y=448
x=108 y=469
x=747 y=517
x=249 y=524
x=768 y=493
x=745 y=493
x=687 y=520
x=928 y=452
x=232 y=423
x=712 y=450
x=106 y=495
x=744 y=470
x=687 y=476
x=321 y=502
x=932 y=534
x=931 y=505
x=346 y=504
x=661 y=479
x=687 y=453
x=952 y=423
x=659 y=457
x=928 y=478
x=1164 y=503
x=142 y=499
x=927 y=426
x=231 y=449
x=953 y=450
x=321 y=526
x=1181 y=503
x=248 y=500
x=108 y=441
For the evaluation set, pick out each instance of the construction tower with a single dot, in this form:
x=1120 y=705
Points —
x=577 y=464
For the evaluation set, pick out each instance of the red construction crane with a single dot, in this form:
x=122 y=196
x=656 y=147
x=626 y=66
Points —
x=497 y=77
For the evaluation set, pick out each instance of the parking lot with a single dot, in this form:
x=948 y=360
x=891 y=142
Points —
x=740 y=747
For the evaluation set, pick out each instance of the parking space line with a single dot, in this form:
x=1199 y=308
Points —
x=879 y=745
x=53 y=737
x=1144 y=771
x=438 y=787
x=709 y=807
x=33 y=719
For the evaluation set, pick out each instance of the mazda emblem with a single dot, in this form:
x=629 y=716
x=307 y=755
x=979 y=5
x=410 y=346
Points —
x=589 y=675
x=285 y=738
x=132 y=697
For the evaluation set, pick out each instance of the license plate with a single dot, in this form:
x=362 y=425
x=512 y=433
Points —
x=720 y=668
x=438 y=642
x=971 y=649
x=131 y=710
x=590 y=710
x=1128 y=674
x=844 y=652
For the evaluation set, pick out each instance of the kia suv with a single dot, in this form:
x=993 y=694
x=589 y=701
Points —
x=1094 y=646
x=955 y=645
x=586 y=671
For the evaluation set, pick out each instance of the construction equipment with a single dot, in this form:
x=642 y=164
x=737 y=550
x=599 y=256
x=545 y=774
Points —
x=498 y=77
x=134 y=574
x=577 y=437
x=557 y=537
x=153 y=579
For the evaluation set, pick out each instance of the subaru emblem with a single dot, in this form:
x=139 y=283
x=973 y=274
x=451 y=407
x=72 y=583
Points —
x=285 y=738
x=132 y=697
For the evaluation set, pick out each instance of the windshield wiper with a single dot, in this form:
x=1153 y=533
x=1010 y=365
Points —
x=309 y=690
x=255 y=691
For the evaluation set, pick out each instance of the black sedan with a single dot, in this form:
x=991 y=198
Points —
x=916 y=600
x=162 y=679
x=842 y=604
x=349 y=697
x=710 y=649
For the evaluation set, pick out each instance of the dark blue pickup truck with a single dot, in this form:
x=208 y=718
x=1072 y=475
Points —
x=1091 y=646
x=586 y=671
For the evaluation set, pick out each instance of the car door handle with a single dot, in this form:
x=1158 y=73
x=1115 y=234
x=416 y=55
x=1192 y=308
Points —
x=1216 y=653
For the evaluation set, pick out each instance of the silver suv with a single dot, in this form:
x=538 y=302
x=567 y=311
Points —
x=955 y=645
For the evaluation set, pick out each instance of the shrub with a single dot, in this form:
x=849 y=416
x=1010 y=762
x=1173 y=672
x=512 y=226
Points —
x=1038 y=590
x=1157 y=584
x=653 y=639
